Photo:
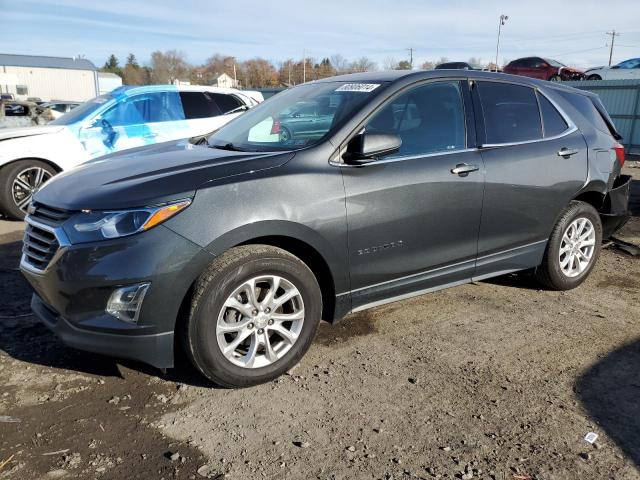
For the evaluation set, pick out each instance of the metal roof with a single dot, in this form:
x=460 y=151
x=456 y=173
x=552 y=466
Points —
x=7 y=59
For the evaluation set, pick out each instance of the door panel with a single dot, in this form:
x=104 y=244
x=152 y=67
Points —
x=527 y=182
x=413 y=224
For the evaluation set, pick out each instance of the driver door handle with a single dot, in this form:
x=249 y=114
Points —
x=567 y=152
x=463 y=169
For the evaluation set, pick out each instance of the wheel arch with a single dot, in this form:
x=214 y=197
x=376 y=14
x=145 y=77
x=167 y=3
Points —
x=51 y=163
x=594 y=193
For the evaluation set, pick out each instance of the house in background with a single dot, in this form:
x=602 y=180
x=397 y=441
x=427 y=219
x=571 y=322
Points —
x=107 y=81
x=49 y=78
x=225 y=81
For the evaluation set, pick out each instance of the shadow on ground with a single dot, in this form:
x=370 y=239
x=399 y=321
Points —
x=609 y=391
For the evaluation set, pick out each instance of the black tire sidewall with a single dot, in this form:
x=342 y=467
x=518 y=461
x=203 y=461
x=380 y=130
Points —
x=8 y=174
x=576 y=210
x=202 y=332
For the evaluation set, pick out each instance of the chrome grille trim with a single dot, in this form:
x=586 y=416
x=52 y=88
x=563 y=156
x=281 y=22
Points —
x=42 y=244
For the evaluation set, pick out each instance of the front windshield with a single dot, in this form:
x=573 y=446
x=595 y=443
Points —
x=296 y=118
x=554 y=63
x=82 y=111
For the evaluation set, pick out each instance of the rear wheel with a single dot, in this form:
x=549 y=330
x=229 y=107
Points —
x=18 y=182
x=253 y=316
x=555 y=78
x=572 y=249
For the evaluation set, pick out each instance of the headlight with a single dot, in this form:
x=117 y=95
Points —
x=94 y=226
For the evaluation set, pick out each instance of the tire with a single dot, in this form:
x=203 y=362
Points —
x=555 y=78
x=12 y=194
x=285 y=134
x=594 y=77
x=556 y=270
x=222 y=283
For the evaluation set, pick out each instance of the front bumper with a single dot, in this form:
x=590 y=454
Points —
x=71 y=293
x=615 y=211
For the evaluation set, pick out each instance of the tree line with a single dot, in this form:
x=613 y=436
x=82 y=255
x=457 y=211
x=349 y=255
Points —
x=172 y=65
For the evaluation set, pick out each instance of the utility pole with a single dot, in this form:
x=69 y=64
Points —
x=613 y=34
x=503 y=18
x=304 y=66
x=235 y=77
x=410 y=50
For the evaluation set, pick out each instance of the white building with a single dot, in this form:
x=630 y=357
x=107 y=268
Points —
x=225 y=81
x=49 y=78
x=108 y=81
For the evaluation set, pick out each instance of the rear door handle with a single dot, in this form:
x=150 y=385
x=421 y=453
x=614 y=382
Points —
x=567 y=152
x=463 y=169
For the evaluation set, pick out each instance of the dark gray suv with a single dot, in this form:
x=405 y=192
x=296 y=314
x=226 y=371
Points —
x=237 y=245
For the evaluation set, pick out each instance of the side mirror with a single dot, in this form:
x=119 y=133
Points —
x=367 y=147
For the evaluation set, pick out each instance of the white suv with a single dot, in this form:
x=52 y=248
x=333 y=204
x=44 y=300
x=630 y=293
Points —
x=125 y=118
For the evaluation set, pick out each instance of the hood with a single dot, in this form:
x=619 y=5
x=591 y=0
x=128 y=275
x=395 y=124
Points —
x=8 y=133
x=150 y=175
x=571 y=70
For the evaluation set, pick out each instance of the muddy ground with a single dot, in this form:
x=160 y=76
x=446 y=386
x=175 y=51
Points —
x=495 y=380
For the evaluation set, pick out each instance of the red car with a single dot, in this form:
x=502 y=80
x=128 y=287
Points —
x=543 y=68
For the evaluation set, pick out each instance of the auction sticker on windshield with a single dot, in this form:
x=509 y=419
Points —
x=358 y=87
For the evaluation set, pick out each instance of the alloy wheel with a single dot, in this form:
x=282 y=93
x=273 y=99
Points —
x=26 y=183
x=577 y=247
x=260 y=321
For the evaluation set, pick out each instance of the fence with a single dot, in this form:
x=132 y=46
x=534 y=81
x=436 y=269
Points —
x=621 y=98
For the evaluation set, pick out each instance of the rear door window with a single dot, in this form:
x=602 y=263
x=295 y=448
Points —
x=510 y=111
x=552 y=121
x=429 y=119
x=199 y=105
x=226 y=103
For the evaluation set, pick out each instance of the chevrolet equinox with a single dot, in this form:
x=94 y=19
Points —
x=391 y=184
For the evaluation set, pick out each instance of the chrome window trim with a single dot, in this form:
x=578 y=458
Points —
x=401 y=159
x=61 y=238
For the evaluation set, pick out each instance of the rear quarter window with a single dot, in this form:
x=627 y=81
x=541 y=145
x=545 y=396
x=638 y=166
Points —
x=552 y=121
x=587 y=109
x=199 y=105
x=510 y=112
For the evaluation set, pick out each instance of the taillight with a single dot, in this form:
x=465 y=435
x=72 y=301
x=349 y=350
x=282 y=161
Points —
x=619 y=153
x=275 y=128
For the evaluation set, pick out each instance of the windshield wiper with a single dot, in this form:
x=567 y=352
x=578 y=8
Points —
x=237 y=109
x=227 y=146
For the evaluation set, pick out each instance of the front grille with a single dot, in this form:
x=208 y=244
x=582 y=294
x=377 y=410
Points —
x=39 y=246
x=50 y=214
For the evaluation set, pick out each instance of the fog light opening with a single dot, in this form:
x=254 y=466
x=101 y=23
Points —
x=125 y=302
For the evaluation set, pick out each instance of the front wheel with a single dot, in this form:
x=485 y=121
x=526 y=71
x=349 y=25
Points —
x=572 y=249
x=18 y=182
x=555 y=78
x=254 y=314
x=594 y=77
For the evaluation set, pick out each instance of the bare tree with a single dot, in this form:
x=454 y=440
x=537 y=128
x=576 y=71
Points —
x=259 y=72
x=340 y=64
x=390 y=63
x=442 y=60
x=428 y=65
x=475 y=62
x=364 y=64
x=169 y=66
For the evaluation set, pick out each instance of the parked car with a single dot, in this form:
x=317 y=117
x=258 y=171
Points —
x=7 y=96
x=127 y=117
x=454 y=66
x=57 y=108
x=236 y=249
x=629 y=69
x=543 y=68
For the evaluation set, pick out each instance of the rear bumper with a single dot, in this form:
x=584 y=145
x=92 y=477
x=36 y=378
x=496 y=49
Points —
x=154 y=349
x=615 y=211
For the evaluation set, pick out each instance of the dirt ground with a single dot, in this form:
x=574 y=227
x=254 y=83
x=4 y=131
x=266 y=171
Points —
x=496 y=380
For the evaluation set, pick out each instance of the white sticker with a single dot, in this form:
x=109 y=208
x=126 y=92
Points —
x=591 y=437
x=358 y=87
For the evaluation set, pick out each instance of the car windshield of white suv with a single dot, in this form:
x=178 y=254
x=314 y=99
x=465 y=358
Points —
x=83 y=111
x=296 y=118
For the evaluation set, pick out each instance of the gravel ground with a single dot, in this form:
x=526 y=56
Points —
x=495 y=380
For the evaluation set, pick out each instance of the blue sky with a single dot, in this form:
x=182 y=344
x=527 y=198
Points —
x=570 y=31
